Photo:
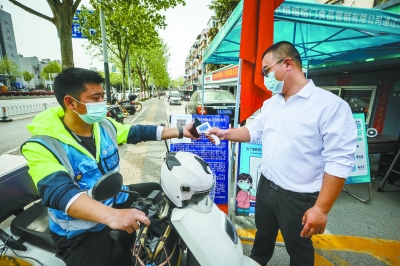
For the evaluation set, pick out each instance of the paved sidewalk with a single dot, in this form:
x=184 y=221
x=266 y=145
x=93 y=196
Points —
x=142 y=162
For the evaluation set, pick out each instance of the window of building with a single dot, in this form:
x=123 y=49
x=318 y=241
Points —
x=360 y=99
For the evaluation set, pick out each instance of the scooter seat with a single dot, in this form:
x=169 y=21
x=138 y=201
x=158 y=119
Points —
x=32 y=225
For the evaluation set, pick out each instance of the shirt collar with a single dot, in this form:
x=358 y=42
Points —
x=307 y=89
x=305 y=92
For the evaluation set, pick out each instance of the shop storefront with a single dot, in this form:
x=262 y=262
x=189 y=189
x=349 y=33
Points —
x=223 y=79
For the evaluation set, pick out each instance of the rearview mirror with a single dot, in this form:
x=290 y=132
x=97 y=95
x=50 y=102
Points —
x=107 y=187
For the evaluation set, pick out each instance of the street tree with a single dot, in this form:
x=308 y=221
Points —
x=63 y=12
x=223 y=9
x=9 y=68
x=178 y=82
x=115 y=80
x=50 y=70
x=28 y=76
x=128 y=23
x=151 y=62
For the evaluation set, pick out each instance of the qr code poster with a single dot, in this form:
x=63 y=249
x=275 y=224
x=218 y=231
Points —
x=180 y=121
x=217 y=156
x=248 y=175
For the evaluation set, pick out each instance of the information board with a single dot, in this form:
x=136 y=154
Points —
x=217 y=156
x=361 y=170
x=248 y=175
x=249 y=159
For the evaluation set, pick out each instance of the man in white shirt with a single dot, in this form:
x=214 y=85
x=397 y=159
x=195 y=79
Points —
x=308 y=139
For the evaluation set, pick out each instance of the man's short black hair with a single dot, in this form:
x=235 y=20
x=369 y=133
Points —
x=282 y=50
x=71 y=81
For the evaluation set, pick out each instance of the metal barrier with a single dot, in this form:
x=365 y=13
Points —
x=24 y=108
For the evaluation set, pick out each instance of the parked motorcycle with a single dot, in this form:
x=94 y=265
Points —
x=115 y=112
x=132 y=98
x=127 y=106
x=184 y=205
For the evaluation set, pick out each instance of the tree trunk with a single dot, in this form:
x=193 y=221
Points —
x=64 y=27
x=123 y=62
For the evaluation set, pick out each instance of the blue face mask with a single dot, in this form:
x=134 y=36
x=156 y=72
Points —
x=95 y=112
x=272 y=84
x=244 y=186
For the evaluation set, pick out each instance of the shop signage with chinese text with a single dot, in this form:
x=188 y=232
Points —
x=228 y=73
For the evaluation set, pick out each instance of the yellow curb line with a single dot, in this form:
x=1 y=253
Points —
x=387 y=251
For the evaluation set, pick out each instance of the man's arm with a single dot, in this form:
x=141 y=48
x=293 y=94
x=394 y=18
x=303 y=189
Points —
x=240 y=134
x=88 y=209
x=339 y=144
x=315 y=218
x=173 y=132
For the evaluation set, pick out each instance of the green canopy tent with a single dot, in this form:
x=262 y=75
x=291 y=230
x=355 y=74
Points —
x=323 y=34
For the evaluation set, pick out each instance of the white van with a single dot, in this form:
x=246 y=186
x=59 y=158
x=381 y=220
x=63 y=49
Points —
x=175 y=97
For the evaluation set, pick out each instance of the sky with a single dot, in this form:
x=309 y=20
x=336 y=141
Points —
x=35 y=36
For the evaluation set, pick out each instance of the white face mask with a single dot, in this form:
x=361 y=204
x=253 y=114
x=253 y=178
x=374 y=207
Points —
x=272 y=84
x=96 y=112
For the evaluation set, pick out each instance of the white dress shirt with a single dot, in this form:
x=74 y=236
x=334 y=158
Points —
x=311 y=133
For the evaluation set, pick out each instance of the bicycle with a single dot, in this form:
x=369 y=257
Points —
x=138 y=106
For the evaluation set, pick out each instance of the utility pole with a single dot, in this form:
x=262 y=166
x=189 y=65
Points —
x=129 y=75
x=105 y=53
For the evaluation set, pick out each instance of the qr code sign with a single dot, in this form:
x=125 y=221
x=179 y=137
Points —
x=180 y=122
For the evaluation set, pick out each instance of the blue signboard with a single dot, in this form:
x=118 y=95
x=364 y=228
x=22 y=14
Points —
x=217 y=156
x=76 y=32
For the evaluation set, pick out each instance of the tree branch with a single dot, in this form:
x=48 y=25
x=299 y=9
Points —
x=76 y=4
x=34 y=12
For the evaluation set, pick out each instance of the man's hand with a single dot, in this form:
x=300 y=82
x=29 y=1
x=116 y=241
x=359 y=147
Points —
x=186 y=131
x=220 y=133
x=314 y=221
x=127 y=219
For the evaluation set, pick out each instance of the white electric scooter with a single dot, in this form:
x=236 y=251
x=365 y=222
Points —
x=186 y=200
x=189 y=183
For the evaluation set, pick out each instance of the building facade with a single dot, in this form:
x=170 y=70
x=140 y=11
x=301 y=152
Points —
x=194 y=60
x=31 y=65
x=8 y=46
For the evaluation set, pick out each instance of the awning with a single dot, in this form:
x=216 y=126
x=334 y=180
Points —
x=323 y=34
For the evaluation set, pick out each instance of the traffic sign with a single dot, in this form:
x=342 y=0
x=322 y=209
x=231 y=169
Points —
x=76 y=32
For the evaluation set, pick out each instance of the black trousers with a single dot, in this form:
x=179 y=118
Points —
x=279 y=209
x=98 y=248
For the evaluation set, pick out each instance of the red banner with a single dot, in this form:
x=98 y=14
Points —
x=257 y=36
x=226 y=73
x=381 y=107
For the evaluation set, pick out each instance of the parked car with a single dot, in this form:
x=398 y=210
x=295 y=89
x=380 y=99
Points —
x=216 y=102
x=175 y=97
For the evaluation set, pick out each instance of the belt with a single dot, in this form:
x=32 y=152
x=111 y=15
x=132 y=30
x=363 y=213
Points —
x=298 y=195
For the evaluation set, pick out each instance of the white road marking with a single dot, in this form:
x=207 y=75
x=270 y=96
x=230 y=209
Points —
x=141 y=111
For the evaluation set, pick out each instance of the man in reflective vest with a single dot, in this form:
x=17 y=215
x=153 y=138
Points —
x=71 y=148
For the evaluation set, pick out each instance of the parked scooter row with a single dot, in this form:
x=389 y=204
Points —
x=183 y=216
x=119 y=110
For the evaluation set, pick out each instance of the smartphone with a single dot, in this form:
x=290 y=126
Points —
x=193 y=130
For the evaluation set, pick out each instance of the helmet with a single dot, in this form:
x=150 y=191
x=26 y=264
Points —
x=186 y=177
